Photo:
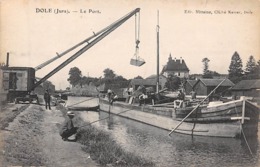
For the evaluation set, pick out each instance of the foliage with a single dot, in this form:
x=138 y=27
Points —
x=74 y=76
x=84 y=80
x=2 y=64
x=210 y=74
x=48 y=85
x=109 y=74
x=119 y=78
x=235 y=71
x=138 y=77
x=104 y=150
x=172 y=83
x=87 y=80
x=109 y=78
x=205 y=65
x=252 y=70
x=250 y=66
x=207 y=75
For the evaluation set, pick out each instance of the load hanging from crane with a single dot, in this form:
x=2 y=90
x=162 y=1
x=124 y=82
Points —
x=136 y=60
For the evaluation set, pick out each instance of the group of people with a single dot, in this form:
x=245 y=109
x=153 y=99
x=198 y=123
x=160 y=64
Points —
x=68 y=129
x=111 y=96
x=181 y=95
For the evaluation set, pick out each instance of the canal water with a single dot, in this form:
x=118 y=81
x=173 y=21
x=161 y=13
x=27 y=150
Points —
x=176 y=150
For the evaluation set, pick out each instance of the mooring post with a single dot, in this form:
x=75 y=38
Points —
x=109 y=109
x=243 y=109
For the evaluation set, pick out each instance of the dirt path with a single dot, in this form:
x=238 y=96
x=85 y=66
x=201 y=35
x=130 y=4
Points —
x=61 y=153
x=32 y=139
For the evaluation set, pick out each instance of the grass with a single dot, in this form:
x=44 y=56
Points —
x=103 y=149
x=22 y=147
x=10 y=116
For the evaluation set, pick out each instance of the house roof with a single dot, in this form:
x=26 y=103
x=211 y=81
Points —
x=247 y=84
x=191 y=82
x=175 y=65
x=215 y=82
x=154 y=76
x=143 y=82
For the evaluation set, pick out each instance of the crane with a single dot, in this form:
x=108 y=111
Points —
x=89 y=42
x=95 y=35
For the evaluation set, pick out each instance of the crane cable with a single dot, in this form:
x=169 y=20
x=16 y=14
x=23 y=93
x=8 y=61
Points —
x=137 y=34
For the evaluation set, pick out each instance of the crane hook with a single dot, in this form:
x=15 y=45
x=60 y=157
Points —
x=137 y=43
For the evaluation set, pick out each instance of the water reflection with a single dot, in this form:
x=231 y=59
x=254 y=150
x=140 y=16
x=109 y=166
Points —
x=176 y=150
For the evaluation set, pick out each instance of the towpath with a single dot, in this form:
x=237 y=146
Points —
x=32 y=139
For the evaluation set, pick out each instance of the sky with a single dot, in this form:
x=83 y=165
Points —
x=32 y=32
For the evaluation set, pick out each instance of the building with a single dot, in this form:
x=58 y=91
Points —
x=149 y=82
x=203 y=87
x=3 y=91
x=118 y=88
x=176 y=67
x=199 y=76
x=247 y=88
x=188 y=86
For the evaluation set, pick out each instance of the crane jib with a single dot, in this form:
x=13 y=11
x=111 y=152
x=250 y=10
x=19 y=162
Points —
x=96 y=38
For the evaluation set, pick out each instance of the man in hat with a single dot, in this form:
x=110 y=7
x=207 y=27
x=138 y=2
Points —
x=47 y=99
x=181 y=95
x=68 y=128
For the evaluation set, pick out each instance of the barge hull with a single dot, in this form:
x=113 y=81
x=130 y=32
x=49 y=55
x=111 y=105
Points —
x=138 y=113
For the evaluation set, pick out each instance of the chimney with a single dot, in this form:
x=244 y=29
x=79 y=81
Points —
x=7 y=59
x=181 y=60
x=170 y=57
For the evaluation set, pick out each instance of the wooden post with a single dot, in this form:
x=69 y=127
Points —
x=243 y=109
x=109 y=108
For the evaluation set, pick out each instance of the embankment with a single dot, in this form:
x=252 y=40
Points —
x=103 y=149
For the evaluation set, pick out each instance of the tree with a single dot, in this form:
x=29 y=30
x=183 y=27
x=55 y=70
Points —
x=120 y=78
x=2 y=64
x=235 y=71
x=172 y=83
x=258 y=67
x=109 y=74
x=250 y=65
x=205 y=65
x=74 y=76
x=85 y=80
x=48 y=85
x=252 y=70
x=138 y=77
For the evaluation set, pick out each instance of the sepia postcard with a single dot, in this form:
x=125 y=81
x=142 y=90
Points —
x=128 y=39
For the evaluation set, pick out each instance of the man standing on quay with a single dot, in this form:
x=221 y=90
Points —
x=47 y=99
